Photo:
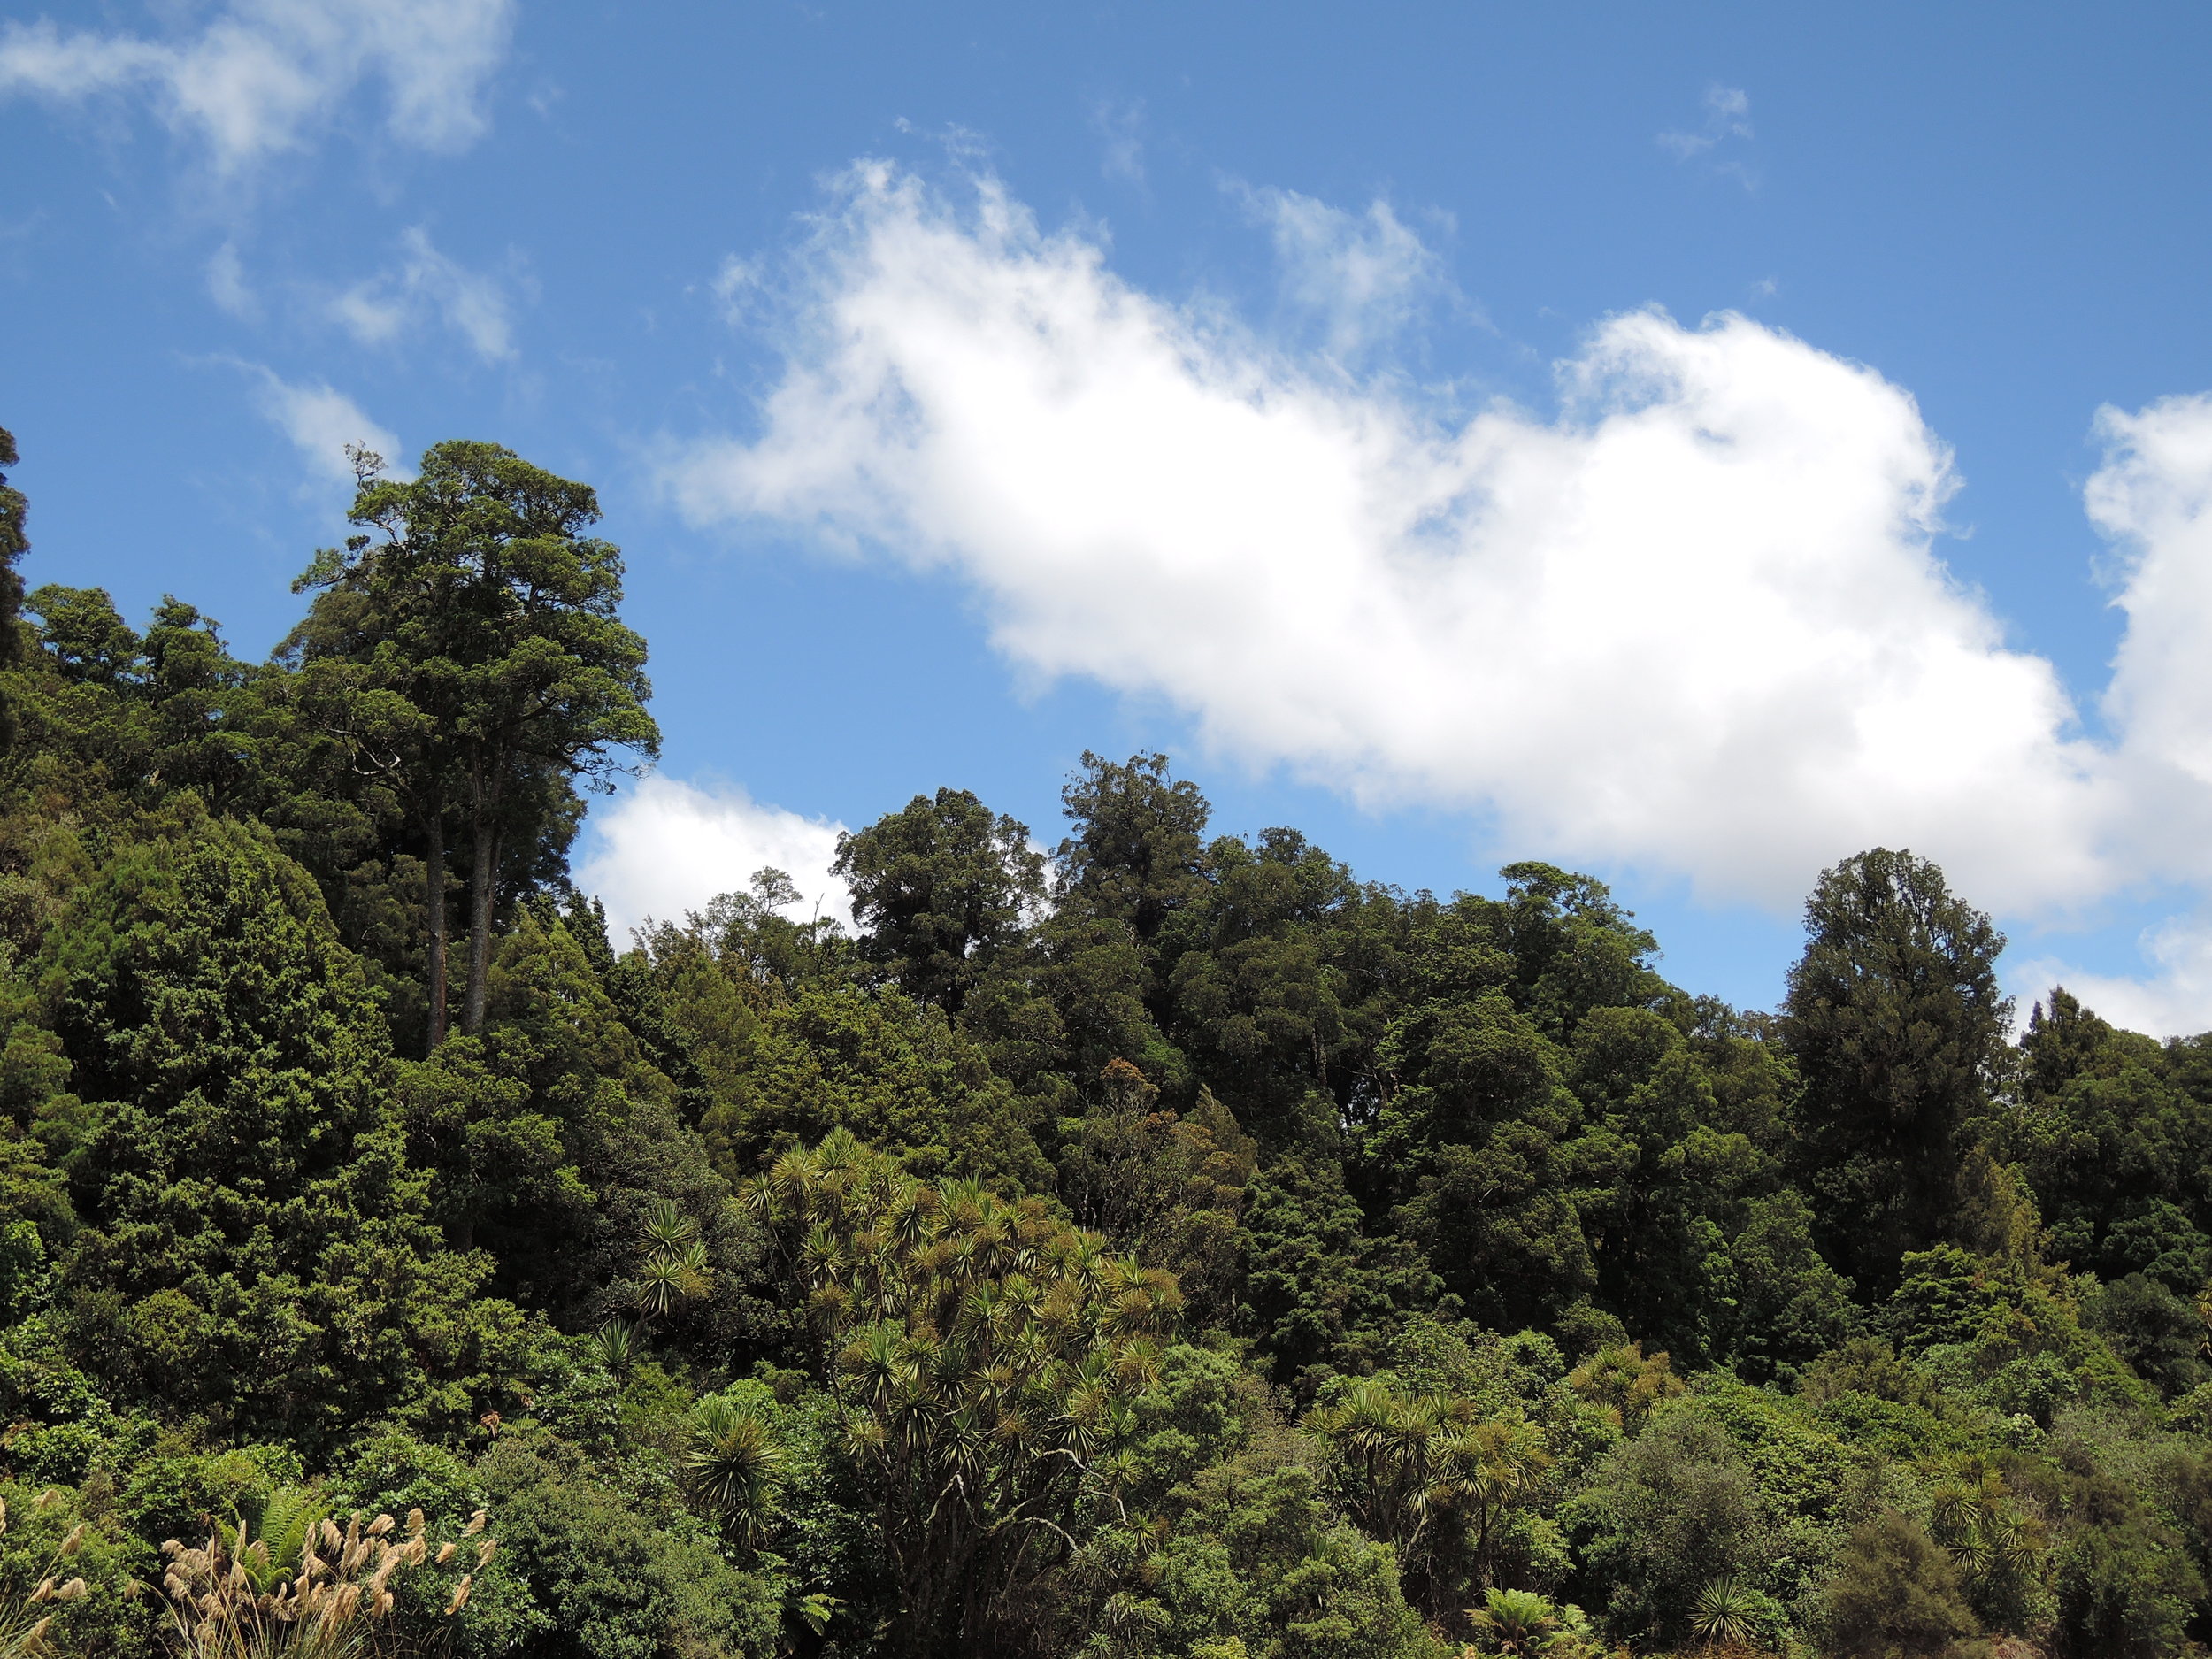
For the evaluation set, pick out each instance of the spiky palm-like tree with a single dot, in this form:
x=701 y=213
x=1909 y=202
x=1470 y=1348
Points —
x=1731 y=1616
x=733 y=1463
x=666 y=1227
x=1997 y=1543
x=674 y=1269
x=615 y=1345
x=669 y=1279
x=1727 y=1611
x=985 y=1355
x=1417 y=1466
x=1520 y=1622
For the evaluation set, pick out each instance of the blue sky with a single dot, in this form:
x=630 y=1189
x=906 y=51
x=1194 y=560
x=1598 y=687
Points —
x=1654 y=438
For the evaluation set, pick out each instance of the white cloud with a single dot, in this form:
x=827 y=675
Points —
x=427 y=284
x=667 y=847
x=1727 y=128
x=2173 y=1000
x=1727 y=116
x=1363 y=278
x=2152 y=499
x=264 y=76
x=736 y=288
x=321 y=422
x=1692 y=624
x=1121 y=128
x=369 y=312
x=227 y=283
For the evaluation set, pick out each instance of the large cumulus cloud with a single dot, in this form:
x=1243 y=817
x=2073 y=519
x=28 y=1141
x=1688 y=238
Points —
x=1691 y=620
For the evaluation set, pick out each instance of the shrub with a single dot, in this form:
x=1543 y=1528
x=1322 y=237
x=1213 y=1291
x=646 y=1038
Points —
x=1895 y=1592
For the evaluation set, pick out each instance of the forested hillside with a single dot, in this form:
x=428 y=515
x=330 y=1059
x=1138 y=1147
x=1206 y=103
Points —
x=1174 y=1246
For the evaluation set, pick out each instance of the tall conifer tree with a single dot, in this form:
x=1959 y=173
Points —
x=485 y=608
x=1896 y=1022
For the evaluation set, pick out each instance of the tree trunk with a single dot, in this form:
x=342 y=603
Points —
x=483 y=884
x=433 y=907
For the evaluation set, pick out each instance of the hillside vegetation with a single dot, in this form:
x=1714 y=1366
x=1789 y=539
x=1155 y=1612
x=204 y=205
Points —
x=1172 y=1246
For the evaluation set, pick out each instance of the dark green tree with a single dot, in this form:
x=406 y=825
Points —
x=564 y=1176
x=257 y=1245
x=90 y=746
x=1473 y=1143
x=1092 y=986
x=759 y=947
x=940 y=888
x=1897 y=1024
x=987 y=1358
x=898 y=1074
x=2114 y=1134
x=1325 y=1294
x=1573 y=947
x=2126 y=1585
x=485 y=608
x=14 y=543
x=85 y=636
x=1895 y=1592
x=1167 y=1187
x=1277 y=981
x=170 y=711
x=1669 y=1513
x=195 y=693
x=1136 y=855
x=608 y=1583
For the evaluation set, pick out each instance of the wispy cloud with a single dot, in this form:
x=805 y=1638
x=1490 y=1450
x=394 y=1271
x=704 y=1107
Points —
x=321 y=421
x=1362 y=279
x=735 y=288
x=227 y=283
x=1725 y=129
x=2173 y=999
x=1120 y=129
x=265 y=76
x=427 y=285
x=1728 y=115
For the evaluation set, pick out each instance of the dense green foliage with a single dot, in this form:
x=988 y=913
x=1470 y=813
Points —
x=1171 y=1248
x=14 y=543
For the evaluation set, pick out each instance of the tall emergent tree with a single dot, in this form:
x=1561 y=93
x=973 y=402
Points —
x=482 y=636
x=13 y=545
x=1896 y=1020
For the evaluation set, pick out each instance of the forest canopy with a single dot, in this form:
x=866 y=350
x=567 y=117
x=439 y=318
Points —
x=1172 y=1246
